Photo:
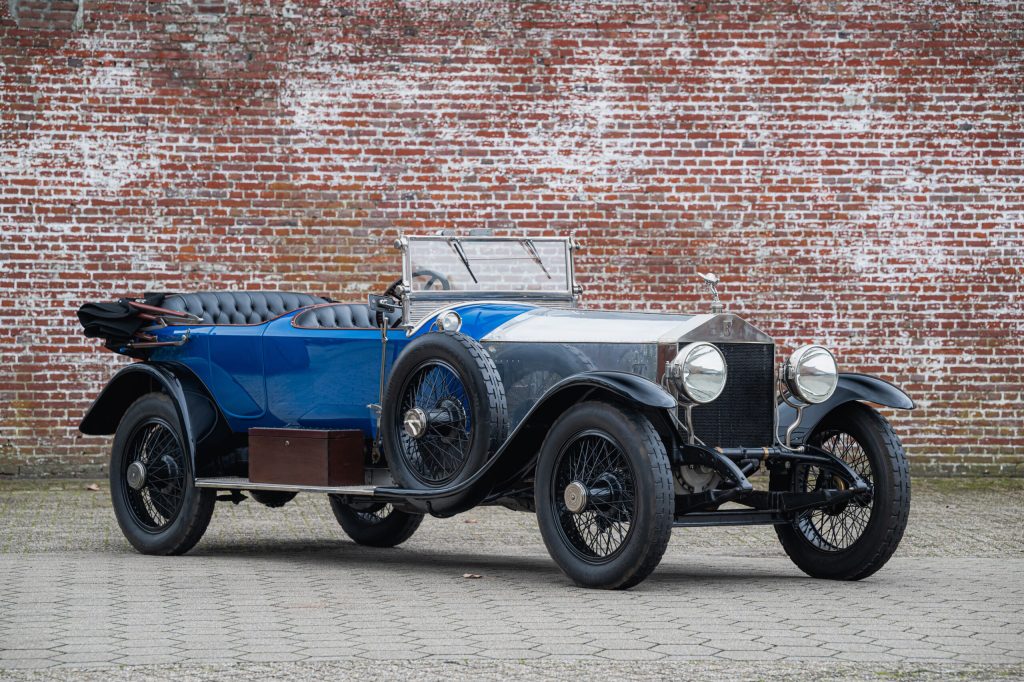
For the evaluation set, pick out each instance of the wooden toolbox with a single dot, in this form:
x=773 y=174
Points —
x=306 y=457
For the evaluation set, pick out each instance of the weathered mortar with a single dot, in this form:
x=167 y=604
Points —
x=853 y=171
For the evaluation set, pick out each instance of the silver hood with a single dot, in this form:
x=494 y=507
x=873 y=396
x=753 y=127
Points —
x=545 y=325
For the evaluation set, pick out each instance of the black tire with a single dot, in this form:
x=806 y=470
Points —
x=853 y=541
x=635 y=473
x=470 y=386
x=168 y=514
x=272 y=498
x=375 y=524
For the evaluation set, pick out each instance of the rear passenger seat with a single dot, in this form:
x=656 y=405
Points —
x=239 y=307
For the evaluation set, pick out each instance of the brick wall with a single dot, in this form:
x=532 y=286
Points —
x=852 y=170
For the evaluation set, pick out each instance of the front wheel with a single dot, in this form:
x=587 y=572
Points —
x=604 y=495
x=156 y=502
x=375 y=524
x=852 y=540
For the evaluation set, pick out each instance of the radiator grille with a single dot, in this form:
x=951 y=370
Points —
x=744 y=415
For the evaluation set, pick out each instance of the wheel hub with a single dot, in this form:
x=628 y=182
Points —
x=576 y=497
x=415 y=422
x=136 y=475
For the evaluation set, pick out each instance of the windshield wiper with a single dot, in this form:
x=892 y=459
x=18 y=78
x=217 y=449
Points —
x=532 y=250
x=457 y=247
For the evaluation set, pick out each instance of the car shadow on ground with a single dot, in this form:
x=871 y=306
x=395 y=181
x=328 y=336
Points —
x=514 y=568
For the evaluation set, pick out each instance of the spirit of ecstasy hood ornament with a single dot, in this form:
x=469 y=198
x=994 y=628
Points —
x=711 y=280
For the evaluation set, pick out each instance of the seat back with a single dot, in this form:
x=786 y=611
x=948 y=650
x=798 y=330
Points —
x=342 y=316
x=239 y=307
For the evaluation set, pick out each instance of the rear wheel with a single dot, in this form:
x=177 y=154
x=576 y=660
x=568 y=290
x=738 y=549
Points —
x=852 y=540
x=375 y=524
x=272 y=498
x=604 y=495
x=155 y=500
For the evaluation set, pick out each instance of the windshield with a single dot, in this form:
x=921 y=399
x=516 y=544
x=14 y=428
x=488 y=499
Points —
x=488 y=264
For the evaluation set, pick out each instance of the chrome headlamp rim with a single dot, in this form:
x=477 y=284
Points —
x=683 y=372
x=794 y=371
x=449 y=321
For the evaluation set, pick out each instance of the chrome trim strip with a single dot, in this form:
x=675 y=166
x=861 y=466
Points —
x=479 y=238
x=239 y=483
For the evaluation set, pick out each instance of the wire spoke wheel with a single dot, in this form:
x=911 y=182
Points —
x=154 y=470
x=851 y=539
x=374 y=524
x=597 y=529
x=372 y=513
x=838 y=527
x=439 y=453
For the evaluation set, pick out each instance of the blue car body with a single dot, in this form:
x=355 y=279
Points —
x=277 y=374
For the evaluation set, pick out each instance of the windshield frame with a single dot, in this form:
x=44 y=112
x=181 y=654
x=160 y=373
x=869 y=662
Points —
x=406 y=243
x=416 y=304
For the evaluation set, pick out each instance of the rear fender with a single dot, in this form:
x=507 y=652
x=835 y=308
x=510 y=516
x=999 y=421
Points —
x=851 y=388
x=196 y=410
x=516 y=458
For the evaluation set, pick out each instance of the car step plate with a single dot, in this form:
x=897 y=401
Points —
x=239 y=483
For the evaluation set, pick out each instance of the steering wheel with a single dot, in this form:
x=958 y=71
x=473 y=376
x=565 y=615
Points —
x=434 y=275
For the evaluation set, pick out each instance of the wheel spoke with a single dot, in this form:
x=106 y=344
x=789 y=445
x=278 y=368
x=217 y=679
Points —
x=441 y=452
x=597 y=532
x=156 y=504
x=836 y=528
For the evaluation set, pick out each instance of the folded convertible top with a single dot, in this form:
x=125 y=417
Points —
x=122 y=323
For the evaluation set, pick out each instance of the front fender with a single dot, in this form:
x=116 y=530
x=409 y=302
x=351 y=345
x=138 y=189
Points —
x=516 y=458
x=851 y=388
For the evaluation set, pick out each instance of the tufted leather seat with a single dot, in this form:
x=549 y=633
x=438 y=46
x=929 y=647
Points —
x=239 y=307
x=342 y=316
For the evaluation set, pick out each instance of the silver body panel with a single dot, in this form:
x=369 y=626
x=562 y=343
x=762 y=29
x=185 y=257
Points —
x=600 y=326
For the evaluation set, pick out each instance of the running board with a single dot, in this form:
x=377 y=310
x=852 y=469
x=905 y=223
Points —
x=239 y=483
x=729 y=517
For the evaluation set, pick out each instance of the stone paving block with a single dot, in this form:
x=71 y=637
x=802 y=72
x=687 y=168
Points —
x=28 y=663
x=990 y=659
x=392 y=654
x=802 y=652
x=631 y=654
x=685 y=650
x=87 y=657
x=267 y=657
x=25 y=654
x=749 y=656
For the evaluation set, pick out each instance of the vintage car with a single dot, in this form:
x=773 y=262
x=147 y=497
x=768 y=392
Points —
x=478 y=379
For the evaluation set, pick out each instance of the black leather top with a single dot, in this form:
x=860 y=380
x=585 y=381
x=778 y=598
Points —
x=343 y=316
x=239 y=307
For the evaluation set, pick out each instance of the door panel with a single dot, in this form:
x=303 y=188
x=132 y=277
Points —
x=324 y=378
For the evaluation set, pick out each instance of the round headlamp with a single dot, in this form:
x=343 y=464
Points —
x=699 y=371
x=812 y=374
x=450 y=321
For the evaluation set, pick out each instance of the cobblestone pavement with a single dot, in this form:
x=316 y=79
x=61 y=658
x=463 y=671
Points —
x=283 y=593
